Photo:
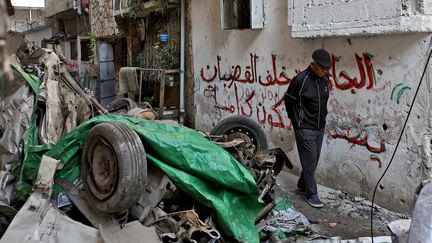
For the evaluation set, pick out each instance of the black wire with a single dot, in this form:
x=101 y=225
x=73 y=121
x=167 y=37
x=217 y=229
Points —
x=400 y=137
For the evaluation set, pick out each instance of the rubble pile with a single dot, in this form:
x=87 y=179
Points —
x=74 y=167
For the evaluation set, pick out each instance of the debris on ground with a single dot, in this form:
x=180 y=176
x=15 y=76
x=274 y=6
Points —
x=400 y=230
x=111 y=174
x=283 y=220
x=333 y=225
x=358 y=207
x=418 y=229
x=123 y=173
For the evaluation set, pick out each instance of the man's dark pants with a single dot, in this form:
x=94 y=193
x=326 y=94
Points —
x=309 y=144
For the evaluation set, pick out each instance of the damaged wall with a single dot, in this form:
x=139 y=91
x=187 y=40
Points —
x=318 y=18
x=374 y=78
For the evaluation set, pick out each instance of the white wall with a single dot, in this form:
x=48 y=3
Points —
x=38 y=35
x=392 y=67
x=323 y=18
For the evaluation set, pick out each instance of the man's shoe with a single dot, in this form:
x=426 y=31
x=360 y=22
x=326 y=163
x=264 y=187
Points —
x=314 y=201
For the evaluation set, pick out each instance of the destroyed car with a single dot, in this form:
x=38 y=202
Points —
x=112 y=171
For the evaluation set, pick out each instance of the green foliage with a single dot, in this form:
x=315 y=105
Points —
x=162 y=4
x=136 y=6
x=140 y=58
x=165 y=56
x=149 y=99
x=92 y=45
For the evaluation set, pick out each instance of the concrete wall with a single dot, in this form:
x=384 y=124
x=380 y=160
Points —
x=374 y=80
x=53 y=7
x=318 y=18
x=37 y=36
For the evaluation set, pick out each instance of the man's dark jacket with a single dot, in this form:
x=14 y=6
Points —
x=306 y=100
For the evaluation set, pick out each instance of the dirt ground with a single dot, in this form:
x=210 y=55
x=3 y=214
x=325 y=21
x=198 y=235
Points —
x=343 y=215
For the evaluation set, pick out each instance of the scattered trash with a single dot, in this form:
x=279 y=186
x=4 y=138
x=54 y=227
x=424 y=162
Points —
x=333 y=225
x=124 y=178
x=283 y=220
x=400 y=230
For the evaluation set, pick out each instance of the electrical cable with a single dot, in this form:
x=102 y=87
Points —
x=400 y=137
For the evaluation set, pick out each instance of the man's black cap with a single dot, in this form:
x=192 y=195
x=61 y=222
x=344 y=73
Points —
x=322 y=57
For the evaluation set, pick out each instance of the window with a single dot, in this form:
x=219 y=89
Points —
x=242 y=14
x=73 y=50
x=85 y=50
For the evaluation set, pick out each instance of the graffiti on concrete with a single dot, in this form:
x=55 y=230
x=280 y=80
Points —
x=249 y=75
x=398 y=91
x=243 y=90
x=374 y=157
x=371 y=127
x=344 y=81
x=358 y=138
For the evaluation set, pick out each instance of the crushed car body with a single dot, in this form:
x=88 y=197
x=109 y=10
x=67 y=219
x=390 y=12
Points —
x=116 y=174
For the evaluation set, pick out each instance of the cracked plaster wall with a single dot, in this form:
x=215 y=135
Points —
x=247 y=72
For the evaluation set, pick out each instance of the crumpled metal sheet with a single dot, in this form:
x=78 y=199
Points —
x=421 y=224
x=213 y=179
x=65 y=109
x=38 y=221
x=15 y=114
x=284 y=219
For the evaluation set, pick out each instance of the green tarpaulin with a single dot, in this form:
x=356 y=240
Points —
x=197 y=166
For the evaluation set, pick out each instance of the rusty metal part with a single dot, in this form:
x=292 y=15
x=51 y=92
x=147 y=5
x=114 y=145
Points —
x=182 y=225
x=247 y=148
x=265 y=211
x=266 y=182
x=157 y=186
x=104 y=168
x=233 y=143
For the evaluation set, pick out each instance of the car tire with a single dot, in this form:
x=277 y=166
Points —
x=121 y=105
x=113 y=167
x=242 y=125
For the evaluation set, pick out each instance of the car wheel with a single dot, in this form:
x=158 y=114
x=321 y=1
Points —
x=244 y=128
x=113 y=167
x=121 y=106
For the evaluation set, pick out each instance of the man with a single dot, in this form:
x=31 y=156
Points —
x=306 y=104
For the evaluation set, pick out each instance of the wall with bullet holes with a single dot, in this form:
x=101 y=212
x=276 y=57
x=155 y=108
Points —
x=246 y=72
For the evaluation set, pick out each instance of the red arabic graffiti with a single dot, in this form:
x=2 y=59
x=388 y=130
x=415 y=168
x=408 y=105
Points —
x=233 y=95
x=250 y=74
x=248 y=102
x=360 y=139
x=279 y=123
x=375 y=158
x=354 y=83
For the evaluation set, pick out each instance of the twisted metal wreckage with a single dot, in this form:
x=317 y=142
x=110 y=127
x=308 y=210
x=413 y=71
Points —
x=88 y=173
